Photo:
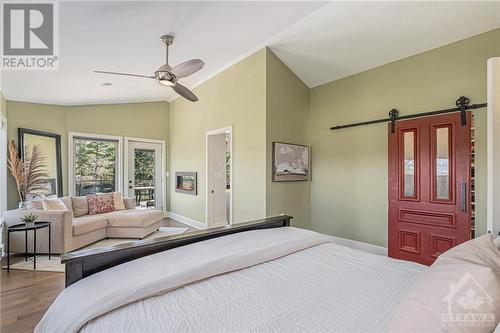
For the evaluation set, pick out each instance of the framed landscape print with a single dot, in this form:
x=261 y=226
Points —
x=290 y=162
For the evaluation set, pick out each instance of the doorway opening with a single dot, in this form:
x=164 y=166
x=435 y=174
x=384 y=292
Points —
x=219 y=181
x=144 y=179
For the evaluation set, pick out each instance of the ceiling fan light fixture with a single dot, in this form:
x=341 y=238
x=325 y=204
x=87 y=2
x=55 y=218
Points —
x=168 y=76
x=166 y=82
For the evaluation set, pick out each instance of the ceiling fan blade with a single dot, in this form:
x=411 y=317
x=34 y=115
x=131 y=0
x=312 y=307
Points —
x=185 y=92
x=187 y=68
x=125 y=74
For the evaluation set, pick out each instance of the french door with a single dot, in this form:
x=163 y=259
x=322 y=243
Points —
x=429 y=187
x=144 y=179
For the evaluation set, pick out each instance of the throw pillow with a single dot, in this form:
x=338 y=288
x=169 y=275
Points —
x=118 y=201
x=53 y=204
x=80 y=206
x=35 y=204
x=100 y=203
x=461 y=286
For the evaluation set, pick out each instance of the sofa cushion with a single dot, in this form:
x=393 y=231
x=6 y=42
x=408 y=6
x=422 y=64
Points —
x=80 y=206
x=88 y=223
x=133 y=218
x=53 y=204
x=118 y=201
x=67 y=202
x=35 y=204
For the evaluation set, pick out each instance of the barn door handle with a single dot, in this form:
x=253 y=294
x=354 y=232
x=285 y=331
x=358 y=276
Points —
x=463 y=197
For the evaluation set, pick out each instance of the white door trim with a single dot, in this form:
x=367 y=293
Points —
x=493 y=147
x=119 y=158
x=223 y=130
x=3 y=175
x=163 y=143
x=3 y=162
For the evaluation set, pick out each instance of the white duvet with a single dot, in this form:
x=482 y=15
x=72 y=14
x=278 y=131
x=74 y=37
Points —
x=283 y=279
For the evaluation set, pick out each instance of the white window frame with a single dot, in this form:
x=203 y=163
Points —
x=71 y=158
x=163 y=180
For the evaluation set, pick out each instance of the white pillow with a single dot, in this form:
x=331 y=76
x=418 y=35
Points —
x=35 y=204
x=118 y=201
x=463 y=281
x=496 y=241
x=54 y=204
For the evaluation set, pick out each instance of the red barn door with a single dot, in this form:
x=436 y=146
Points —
x=429 y=187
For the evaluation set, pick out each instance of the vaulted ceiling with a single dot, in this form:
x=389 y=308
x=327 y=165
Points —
x=319 y=41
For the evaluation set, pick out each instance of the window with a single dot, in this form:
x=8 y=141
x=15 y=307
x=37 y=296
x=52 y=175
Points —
x=442 y=163
x=95 y=167
x=409 y=163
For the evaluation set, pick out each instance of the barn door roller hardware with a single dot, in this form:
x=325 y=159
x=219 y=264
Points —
x=462 y=104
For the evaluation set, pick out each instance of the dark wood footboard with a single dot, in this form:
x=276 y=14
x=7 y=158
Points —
x=80 y=264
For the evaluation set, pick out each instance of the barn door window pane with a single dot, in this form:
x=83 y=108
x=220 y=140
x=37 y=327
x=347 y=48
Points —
x=409 y=163
x=442 y=173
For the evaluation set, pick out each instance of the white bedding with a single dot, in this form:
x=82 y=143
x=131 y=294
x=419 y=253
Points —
x=294 y=280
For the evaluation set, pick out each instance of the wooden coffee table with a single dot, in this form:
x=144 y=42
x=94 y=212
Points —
x=25 y=228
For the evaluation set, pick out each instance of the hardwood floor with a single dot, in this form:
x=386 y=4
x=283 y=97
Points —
x=26 y=295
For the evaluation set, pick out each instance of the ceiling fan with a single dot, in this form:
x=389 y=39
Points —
x=169 y=76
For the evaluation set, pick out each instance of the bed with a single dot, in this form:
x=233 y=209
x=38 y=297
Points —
x=275 y=279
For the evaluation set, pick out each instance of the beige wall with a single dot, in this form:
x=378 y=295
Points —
x=236 y=97
x=143 y=120
x=349 y=186
x=287 y=111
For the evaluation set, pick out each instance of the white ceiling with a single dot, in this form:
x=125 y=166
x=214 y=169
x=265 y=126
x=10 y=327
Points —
x=344 y=38
x=319 y=41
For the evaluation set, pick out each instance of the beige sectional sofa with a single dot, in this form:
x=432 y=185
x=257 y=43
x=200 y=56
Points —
x=74 y=228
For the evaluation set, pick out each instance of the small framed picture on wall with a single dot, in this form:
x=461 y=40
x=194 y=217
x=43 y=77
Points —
x=291 y=162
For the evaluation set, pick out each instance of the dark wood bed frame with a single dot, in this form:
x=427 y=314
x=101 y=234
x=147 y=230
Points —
x=80 y=264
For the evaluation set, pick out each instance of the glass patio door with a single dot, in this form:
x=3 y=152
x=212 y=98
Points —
x=144 y=176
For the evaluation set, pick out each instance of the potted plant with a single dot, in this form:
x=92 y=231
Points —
x=29 y=171
x=29 y=220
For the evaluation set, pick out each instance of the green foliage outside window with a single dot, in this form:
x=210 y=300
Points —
x=95 y=166
x=144 y=166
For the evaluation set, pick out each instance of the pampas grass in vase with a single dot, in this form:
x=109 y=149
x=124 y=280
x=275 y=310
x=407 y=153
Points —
x=29 y=172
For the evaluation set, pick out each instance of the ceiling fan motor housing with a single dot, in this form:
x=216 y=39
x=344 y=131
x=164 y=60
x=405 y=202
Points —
x=167 y=40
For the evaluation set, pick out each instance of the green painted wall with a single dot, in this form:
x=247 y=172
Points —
x=349 y=186
x=287 y=111
x=44 y=117
x=143 y=120
x=235 y=97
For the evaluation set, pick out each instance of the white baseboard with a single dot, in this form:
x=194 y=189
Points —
x=370 y=248
x=186 y=220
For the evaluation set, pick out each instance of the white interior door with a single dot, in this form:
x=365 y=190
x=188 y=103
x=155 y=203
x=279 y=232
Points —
x=144 y=174
x=217 y=212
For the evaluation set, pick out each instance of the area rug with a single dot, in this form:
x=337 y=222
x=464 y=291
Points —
x=43 y=264
x=170 y=231
x=162 y=232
